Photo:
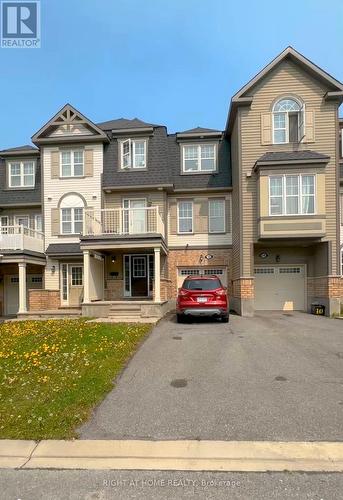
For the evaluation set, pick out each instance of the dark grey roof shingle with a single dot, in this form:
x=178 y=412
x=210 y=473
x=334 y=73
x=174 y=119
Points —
x=199 y=130
x=124 y=123
x=156 y=173
x=292 y=155
x=221 y=178
x=19 y=196
x=18 y=149
x=63 y=248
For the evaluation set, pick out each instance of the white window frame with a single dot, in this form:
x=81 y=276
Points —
x=223 y=201
x=72 y=221
x=178 y=217
x=4 y=227
x=21 y=173
x=300 y=195
x=301 y=114
x=24 y=216
x=76 y=266
x=199 y=146
x=132 y=154
x=72 y=163
x=39 y=217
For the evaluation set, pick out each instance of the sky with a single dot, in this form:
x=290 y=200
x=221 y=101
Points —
x=171 y=62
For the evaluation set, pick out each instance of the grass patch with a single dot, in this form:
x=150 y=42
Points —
x=52 y=373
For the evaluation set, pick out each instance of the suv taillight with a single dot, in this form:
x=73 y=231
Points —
x=183 y=292
x=221 y=293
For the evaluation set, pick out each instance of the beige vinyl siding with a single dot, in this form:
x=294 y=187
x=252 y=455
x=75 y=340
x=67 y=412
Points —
x=236 y=200
x=54 y=188
x=51 y=274
x=286 y=79
x=12 y=213
x=200 y=236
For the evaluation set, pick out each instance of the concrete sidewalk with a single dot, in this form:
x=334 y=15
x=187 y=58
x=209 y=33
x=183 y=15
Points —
x=241 y=456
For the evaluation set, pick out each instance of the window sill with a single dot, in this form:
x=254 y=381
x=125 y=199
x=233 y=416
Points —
x=132 y=169
x=72 y=177
x=19 y=188
x=209 y=172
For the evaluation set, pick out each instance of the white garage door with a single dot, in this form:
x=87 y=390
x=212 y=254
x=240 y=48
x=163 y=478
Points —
x=183 y=272
x=12 y=291
x=280 y=288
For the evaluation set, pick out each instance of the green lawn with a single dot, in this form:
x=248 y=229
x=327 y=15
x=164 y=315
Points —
x=52 y=373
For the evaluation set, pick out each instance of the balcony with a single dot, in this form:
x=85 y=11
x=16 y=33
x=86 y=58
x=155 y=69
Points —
x=21 y=238
x=123 y=222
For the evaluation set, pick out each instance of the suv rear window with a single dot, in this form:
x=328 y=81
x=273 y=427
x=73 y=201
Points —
x=202 y=285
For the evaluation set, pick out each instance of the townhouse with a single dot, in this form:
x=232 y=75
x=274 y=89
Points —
x=108 y=218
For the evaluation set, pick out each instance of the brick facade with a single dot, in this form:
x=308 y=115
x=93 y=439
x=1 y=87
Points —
x=42 y=300
x=196 y=257
x=114 y=290
x=325 y=286
x=243 y=288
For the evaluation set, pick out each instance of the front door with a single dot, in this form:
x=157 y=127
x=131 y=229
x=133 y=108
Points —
x=71 y=284
x=139 y=276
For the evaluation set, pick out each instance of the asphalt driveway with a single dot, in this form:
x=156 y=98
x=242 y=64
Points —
x=272 y=377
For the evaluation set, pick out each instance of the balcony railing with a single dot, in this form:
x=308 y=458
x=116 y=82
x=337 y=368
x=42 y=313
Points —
x=123 y=221
x=21 y=238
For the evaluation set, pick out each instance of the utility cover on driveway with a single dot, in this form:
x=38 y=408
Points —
x=275 y=377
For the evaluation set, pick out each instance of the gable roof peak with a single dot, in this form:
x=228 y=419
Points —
x=67 y=116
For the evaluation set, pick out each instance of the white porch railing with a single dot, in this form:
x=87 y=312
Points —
x=123 y=221
x=21 y=238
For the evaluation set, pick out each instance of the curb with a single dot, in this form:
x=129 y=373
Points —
x=244 y=456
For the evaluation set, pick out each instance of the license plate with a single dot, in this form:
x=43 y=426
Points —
x=201 y=299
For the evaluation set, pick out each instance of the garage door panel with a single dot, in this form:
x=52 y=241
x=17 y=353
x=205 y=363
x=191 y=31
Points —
x=183 y=272
x=280 y=288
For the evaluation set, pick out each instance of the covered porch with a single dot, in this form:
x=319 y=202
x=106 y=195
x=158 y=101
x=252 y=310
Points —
x=125 y=278
x=19 y=273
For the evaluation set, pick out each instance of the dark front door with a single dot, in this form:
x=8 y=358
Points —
x=139 y=276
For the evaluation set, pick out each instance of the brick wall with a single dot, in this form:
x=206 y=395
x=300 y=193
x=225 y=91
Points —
x=42 y=300
x=114 y=290
x=243 y=288
x=192 y=257
x=325 y=286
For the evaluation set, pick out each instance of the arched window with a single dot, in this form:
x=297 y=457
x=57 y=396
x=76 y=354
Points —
x=71 y=207
x=288 y=121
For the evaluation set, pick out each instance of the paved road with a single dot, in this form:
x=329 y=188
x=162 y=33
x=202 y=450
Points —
x=103 y=485
x=272 y=377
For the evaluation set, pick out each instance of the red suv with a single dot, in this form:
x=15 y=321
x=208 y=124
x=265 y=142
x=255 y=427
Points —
x=202 y=296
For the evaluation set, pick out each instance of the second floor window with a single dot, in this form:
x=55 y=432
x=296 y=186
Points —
x=22 y=174
x=216 y=216
x=291 y=194
x=199 y=158
x=185 y=217
x=133 y=153
x=72 y=163
x=71 y=220
x=288 y=121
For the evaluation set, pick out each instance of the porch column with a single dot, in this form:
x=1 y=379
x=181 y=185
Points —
x=86 y=272
x=157 y=274
x=22 y=287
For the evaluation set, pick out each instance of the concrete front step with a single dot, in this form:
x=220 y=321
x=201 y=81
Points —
x=126 y=307
x=53 y=313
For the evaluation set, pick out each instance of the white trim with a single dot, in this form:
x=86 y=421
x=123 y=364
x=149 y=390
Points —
x=198 y=146
x=178 y=216
x=72 y=266
x=301 y=105
x=21 y=174
x=209 y=201
x=132 y=154
x=300 y=195
x=72 y=221
x=22 y=216
x=147 y=273
x=72 y=163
